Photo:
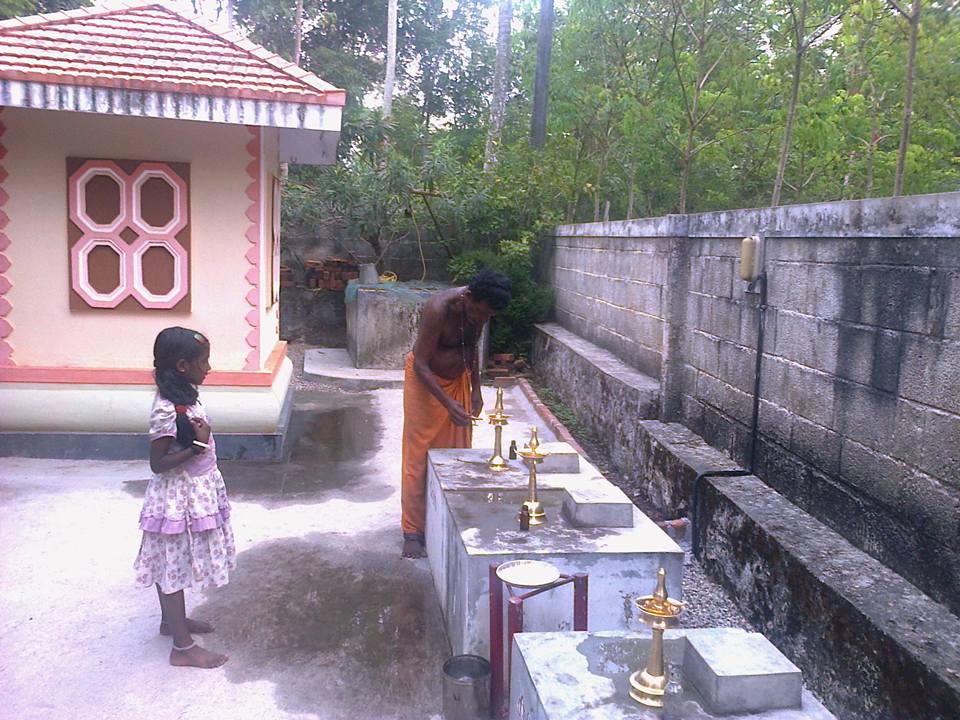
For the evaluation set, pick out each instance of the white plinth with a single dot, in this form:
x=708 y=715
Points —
x=571 y=676
x=471 y=523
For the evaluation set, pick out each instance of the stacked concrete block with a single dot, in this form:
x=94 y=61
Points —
x=860 y=387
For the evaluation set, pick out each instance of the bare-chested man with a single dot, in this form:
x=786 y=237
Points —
x=441 y=387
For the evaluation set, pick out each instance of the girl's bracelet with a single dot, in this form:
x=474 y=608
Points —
x=199 y=447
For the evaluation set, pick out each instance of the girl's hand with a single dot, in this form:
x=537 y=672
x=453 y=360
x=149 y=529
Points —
x=202 y=428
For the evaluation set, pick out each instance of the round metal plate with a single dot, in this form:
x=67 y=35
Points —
x=528 y=573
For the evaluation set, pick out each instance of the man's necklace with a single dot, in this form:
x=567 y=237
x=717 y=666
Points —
x=463 y=345
x=463 y=340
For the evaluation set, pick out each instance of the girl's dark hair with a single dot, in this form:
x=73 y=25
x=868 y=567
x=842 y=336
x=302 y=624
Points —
x=172 y=345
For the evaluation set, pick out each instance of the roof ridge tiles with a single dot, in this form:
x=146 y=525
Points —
x=154 y=33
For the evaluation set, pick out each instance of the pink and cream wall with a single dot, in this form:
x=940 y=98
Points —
x=76 y=355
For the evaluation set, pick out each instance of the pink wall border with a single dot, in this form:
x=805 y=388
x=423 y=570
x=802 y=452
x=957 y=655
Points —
x=141 y=376
x=254 y=194
x=6 y=329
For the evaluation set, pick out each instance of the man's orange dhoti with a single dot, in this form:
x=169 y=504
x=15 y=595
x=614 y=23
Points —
x=427 y=425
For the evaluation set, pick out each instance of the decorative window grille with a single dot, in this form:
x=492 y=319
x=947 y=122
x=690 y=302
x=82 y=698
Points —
x=129 y=234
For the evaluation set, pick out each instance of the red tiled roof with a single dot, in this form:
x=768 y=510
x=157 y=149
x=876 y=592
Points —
x=150 y=47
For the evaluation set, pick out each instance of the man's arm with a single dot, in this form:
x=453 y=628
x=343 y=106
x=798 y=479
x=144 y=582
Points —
x=428 y=340
x=477 y=398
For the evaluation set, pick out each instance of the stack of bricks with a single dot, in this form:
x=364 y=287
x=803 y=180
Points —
x=501 y=365
x=331 y=274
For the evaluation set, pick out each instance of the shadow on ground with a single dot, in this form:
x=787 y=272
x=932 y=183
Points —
x=340 y=624
x=334 y=439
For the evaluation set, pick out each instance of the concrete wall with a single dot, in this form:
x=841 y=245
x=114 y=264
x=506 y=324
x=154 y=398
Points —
x=609 y=281
x=860 y=412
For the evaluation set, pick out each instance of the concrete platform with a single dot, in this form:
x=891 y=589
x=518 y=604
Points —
x=322 y=619
x=335 y=366
x=471 y=523
x=578 y=676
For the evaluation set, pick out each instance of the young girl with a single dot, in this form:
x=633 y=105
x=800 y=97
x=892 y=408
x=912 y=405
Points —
x=187 y=540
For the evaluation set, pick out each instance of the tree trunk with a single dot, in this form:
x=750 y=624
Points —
x=499 y=100
x=800 y=34
x=685 y=177
x=297 y=32
x=630 y=197
x=872 y=151
x=541 y=87
x=907 y=99
x=391 y=77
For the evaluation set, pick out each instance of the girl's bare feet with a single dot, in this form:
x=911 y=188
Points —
x=196 y=657
x=195 y=627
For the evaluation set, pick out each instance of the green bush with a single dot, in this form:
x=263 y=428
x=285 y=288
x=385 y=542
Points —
x=512 y=329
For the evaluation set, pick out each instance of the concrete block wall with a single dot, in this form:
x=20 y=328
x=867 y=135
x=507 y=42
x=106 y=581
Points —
x=609 y=283
x=860 y=394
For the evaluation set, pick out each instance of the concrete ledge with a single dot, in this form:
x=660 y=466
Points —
x=866 y=639
x=670 y=458
x=606 y=394
x=334 y=365
x=136 y=446
x=868 y=642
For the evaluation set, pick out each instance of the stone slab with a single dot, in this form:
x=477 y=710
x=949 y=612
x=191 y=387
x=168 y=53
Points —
x=335 y=366
x=471 y=524
x=588 y=498
x=561 y=458
x=575 y=676
x=742 y=674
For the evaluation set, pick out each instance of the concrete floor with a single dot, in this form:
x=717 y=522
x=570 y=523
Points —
x=322 y=619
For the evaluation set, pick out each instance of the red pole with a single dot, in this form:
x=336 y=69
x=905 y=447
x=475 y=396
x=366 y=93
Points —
x=514 y=626
x=496 y=643
x=580 y=601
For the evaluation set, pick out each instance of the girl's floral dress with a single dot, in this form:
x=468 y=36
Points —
x=187 y=539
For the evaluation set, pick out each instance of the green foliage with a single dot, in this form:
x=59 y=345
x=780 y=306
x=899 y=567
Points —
x=511 y=329
x=19 y=8
x=649 y=103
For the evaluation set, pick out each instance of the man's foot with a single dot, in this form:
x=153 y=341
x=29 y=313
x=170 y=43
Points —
x=196 y=657
x=194 y=627
x=413 y=547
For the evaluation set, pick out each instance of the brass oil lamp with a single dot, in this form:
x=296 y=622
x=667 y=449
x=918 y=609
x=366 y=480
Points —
x=498 y=419
x=533 y=457
x=659 y=612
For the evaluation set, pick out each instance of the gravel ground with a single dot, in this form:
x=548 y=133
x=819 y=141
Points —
x=708 y=604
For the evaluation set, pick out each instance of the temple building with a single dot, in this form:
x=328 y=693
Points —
x=140 y=154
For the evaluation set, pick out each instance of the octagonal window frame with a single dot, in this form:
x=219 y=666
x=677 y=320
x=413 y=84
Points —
x=78 y=209
x=145 y=172
x=79 y=257
x=139 y=290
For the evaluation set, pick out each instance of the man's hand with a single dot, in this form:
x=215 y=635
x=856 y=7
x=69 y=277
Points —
x=458 y=414
x=476 y=402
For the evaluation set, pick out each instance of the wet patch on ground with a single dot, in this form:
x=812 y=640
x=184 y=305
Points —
x=333 y=438
x=337 y=623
